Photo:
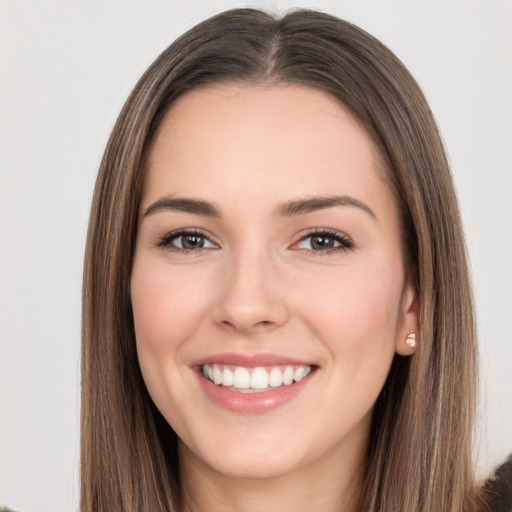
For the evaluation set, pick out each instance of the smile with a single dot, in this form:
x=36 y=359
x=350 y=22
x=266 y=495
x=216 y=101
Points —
x=253 y=380
x=253 y=384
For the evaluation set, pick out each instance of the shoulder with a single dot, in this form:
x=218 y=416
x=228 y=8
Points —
x=497 y=490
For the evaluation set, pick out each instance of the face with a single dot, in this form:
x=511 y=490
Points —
x=268 y=284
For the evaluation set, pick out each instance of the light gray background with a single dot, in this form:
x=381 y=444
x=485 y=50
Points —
x=65 y=71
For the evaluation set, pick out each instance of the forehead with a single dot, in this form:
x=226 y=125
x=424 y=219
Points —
x=293 y=108
x=291 y=137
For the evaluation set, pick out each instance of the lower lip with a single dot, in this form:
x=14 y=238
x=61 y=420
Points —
x=252 y=403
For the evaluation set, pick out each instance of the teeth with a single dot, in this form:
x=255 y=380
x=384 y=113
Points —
x=241 y=378
x=259 y=379
x=217 y=375
x=288 y=376
x=227 y=377
x=297 y=376
x=275 y=379
x=254 y=378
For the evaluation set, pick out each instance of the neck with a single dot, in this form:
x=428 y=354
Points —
x=321 y=487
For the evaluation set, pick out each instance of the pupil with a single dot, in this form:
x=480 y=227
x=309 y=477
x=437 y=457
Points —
x=322 y=242
x=192 y=242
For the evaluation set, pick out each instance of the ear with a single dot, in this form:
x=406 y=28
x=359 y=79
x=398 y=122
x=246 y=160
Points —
x=409 y=319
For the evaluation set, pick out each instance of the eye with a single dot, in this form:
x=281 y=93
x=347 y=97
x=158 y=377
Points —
x=185 y=241
x=325 y=241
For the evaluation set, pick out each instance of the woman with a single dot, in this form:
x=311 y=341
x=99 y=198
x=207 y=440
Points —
x=277 y=310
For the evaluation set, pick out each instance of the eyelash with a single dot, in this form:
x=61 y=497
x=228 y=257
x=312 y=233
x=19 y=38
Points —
x=165 y=241
x=345 y=243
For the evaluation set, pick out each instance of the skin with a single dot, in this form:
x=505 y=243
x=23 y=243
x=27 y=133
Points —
x=258 y=286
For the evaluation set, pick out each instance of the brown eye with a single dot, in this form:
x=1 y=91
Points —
x=185 y=241
x=320 y=243
x=325 y=242
x=189 y=242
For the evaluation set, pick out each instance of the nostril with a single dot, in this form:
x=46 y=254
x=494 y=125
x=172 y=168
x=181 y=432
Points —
x=242 y=327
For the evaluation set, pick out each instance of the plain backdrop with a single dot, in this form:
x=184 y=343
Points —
x=66 y=69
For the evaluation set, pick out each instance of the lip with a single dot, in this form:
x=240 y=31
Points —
x=252 y=403
x=250 y=360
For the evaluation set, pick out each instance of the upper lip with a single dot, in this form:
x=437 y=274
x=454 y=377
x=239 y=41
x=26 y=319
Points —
x=250 y=360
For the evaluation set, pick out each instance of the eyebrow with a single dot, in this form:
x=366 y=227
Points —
x=181 y=204
x=288 y=209
x=311 y=204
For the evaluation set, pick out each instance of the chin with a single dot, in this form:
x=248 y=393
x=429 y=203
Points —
x=256 y=468
x=258 y=459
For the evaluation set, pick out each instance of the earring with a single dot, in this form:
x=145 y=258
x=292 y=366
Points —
x=411 y=340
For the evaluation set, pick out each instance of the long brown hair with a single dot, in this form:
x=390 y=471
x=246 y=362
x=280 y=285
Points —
x=419 y=458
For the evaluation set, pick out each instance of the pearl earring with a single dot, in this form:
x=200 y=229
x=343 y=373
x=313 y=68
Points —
x=411 y=340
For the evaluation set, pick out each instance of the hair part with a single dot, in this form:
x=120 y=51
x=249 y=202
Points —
x=419 y=457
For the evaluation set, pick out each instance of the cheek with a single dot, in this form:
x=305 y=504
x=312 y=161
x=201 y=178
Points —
x=356 y=314
x=165 y=307
x=357 y=323
x=356 y=308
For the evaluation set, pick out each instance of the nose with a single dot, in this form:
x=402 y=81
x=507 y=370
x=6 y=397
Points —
x=252 y=296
